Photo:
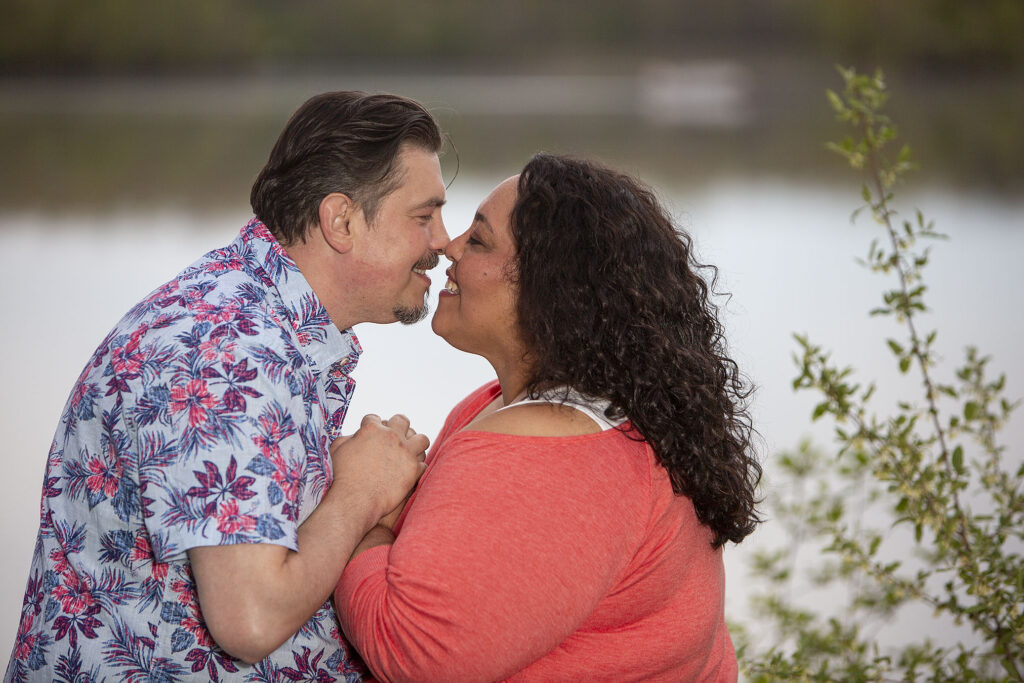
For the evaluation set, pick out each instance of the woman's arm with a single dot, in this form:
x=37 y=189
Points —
x=505 y=551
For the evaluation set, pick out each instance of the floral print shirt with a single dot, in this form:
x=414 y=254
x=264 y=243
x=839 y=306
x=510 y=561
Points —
x=204 y=418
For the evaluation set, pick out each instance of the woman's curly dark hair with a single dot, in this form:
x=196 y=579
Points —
x=611 y=304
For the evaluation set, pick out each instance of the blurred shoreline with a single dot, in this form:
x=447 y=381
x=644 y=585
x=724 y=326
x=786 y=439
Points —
x=97 y=142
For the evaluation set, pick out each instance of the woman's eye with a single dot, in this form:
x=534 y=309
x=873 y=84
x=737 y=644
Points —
x=473 y=240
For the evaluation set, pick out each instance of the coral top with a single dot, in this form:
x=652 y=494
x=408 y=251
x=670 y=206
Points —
x=540 y=559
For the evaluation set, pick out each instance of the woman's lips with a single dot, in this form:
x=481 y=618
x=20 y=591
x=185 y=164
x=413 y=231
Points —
x=451 y=287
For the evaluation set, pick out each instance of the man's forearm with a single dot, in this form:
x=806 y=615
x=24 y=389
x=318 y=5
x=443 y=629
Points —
x=256 y=596
x=270 y=592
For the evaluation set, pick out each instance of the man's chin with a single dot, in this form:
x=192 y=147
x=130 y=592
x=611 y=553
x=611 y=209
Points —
x=408 y=315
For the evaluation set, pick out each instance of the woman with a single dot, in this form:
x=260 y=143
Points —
x=570 y=521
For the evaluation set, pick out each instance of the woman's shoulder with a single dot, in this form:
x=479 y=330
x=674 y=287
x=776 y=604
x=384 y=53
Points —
x=544 y=438
x=477 y=400
x=529 y=433
x=465 y=410
x=537 y=419
x=468 y=408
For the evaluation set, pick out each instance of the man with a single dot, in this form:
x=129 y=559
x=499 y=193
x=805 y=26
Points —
x=198 y=504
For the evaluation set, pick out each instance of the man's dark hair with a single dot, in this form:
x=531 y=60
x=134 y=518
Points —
x=344 y=142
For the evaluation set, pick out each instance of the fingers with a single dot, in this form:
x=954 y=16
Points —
x=418 y=443
x=399 y=424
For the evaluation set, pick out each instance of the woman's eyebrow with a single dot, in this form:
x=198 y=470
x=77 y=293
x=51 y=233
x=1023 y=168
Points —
x=482 y=220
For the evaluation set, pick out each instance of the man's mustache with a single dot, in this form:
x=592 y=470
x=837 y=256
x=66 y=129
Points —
x=429 y=261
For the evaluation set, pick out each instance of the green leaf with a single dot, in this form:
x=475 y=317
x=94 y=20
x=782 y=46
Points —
x=971 y=411
x=835 y=101
x=896 y=348
x=904 y=364
x=958 y=459
x=1008 y=665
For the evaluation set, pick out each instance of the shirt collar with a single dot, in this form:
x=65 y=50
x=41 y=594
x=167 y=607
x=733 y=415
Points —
x=322 y=342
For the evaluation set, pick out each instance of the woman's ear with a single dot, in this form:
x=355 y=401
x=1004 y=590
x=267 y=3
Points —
x=336 y=211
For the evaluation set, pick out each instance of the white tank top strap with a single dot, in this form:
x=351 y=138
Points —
x=591 y=407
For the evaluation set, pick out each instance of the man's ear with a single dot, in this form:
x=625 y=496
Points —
x=336 y=212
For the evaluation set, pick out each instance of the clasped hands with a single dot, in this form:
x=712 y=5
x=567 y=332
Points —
x=386 y=458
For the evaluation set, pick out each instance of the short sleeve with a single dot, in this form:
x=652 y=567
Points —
x=223 y=438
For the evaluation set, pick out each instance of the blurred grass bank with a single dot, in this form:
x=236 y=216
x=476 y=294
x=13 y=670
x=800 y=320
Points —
x=126 y=103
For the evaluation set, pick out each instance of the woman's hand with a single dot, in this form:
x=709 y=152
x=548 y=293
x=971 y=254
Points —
x=389 y=521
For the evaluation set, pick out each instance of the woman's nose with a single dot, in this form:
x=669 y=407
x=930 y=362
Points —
x=455 y=248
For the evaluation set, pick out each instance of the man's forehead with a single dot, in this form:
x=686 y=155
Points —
x=419 y=177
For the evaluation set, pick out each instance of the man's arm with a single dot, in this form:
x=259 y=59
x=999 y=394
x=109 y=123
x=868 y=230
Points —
x=255 y=596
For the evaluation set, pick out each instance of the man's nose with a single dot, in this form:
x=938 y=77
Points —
x=439 y=236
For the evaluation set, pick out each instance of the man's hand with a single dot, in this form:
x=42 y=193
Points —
x=384 y=458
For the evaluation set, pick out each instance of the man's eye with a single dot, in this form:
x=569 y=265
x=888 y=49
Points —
x=473 y=240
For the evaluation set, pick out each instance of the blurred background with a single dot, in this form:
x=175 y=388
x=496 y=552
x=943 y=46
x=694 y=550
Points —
x=131 y=131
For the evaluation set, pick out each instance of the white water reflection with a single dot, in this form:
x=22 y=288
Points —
x=692 y=93
x=786 y=252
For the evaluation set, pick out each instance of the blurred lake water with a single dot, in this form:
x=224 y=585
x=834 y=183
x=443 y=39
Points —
x=110 y=188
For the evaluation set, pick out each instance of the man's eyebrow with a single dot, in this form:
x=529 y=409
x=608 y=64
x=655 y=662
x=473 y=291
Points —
x=433 y=201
